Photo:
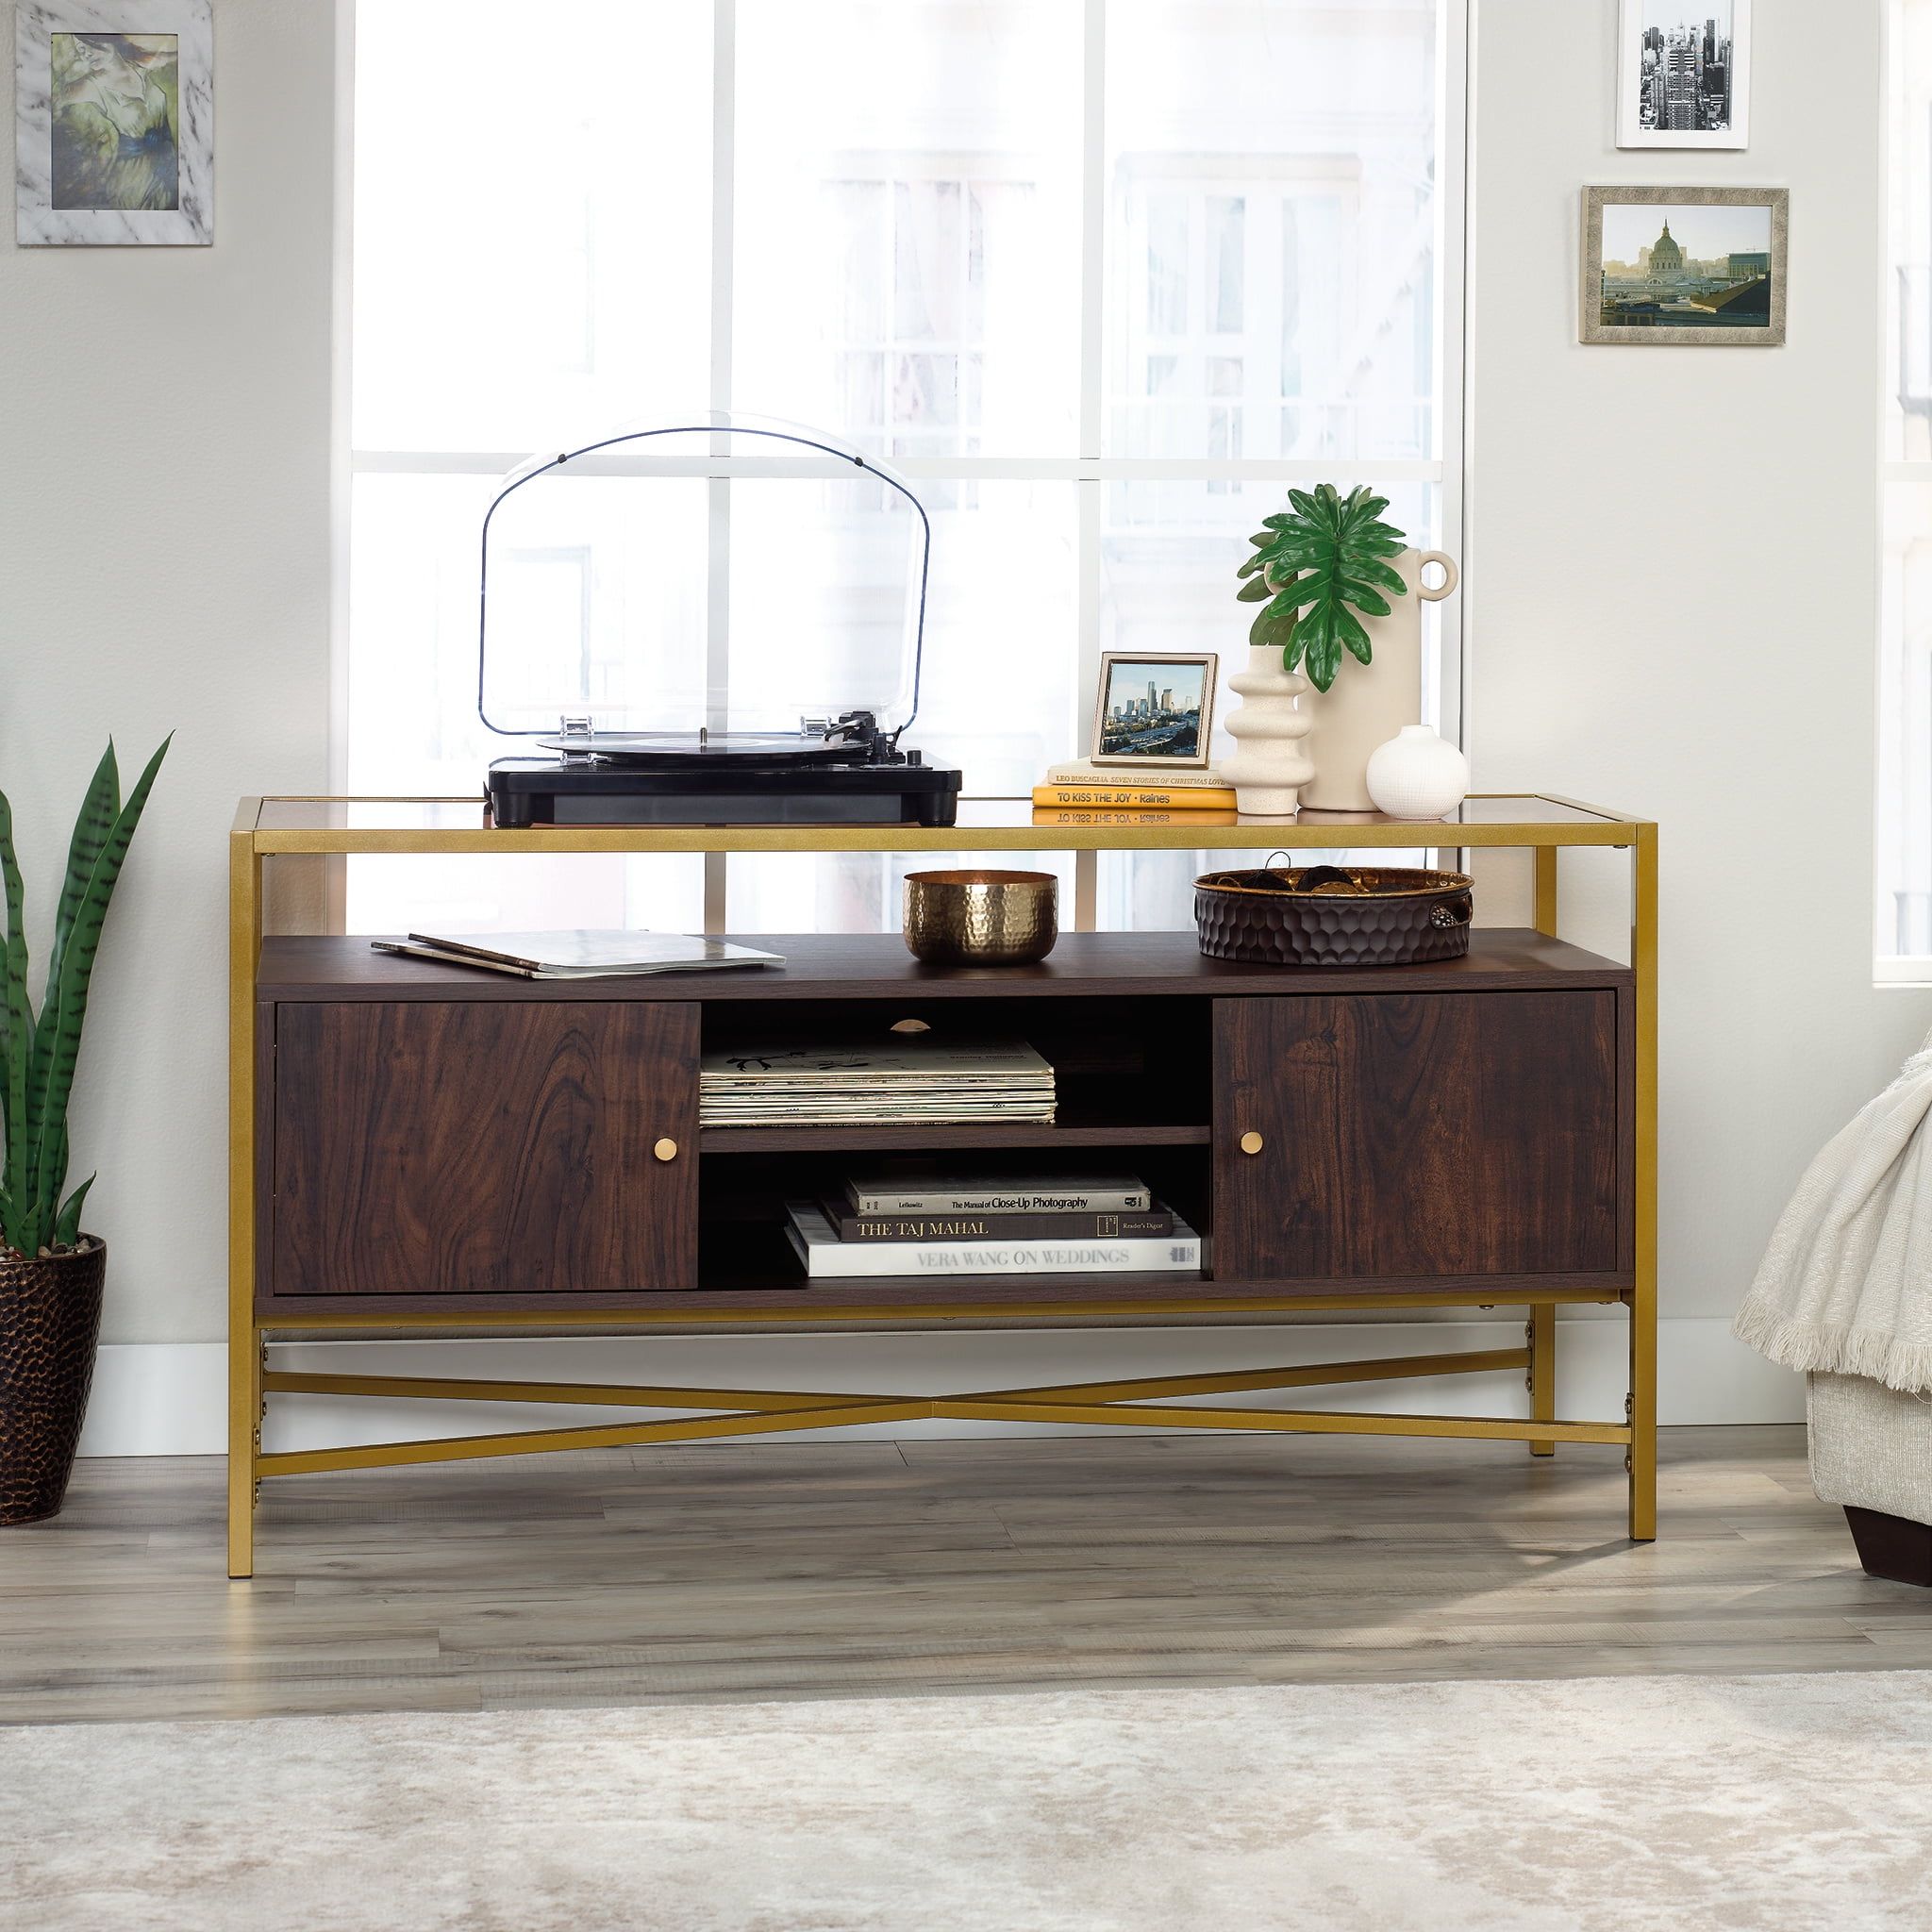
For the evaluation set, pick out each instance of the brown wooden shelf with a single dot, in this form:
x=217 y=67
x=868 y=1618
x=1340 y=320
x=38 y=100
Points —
x=924 y=1298
x=747 y=1271
x=935 y=1138
x=877 y=966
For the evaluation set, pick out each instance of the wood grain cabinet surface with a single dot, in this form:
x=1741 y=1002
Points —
x=1409 y=1138
x=483 y=1147
x=434 y=1142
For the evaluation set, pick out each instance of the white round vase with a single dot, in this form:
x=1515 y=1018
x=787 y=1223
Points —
x=1269 y=766
x=1417 y=775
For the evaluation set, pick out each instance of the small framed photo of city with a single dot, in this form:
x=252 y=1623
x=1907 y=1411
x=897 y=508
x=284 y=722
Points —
x=1154 y=709
x=1684 y=265
x=1684 y=74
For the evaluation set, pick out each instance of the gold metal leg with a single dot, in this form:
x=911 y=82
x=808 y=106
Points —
x=1541 y=1333
x=1546 y=889
x=244 y=1339
x=1644 y=1292
x=1541 y=1336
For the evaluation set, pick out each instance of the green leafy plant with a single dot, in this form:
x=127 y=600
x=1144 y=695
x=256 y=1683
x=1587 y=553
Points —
x=38 y=1051
x=1312 y=567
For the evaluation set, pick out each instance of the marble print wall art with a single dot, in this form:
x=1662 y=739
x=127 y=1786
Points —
x=114 y=123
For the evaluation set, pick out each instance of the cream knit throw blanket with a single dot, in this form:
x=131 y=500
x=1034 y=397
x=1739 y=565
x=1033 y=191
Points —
x=1847 y=1284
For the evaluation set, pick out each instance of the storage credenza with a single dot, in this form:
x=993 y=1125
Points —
x=418 y=1148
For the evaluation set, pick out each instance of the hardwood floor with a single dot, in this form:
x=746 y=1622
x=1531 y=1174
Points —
x=849 y=1569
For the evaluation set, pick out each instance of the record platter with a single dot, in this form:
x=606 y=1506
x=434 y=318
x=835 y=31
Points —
x=752 y=765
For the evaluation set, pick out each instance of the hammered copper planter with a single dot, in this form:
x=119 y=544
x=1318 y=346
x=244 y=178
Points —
x=50 y=1320
x=981 y=918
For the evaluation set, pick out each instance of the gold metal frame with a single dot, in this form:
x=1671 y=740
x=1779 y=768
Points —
x=265 y=828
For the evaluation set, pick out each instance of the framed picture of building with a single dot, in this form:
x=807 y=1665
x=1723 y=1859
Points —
x=114 y=123
x=1699 y=265
x=1684 y=74
x=1154 y=709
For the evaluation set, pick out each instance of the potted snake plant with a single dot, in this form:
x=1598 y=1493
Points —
x=51 y=1272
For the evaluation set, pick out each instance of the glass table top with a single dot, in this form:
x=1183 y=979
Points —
x=447 y=824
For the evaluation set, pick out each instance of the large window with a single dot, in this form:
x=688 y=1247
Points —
x=1101 y=278
x=1905 y=687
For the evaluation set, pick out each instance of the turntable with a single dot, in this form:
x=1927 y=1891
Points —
x=846 y=772
x=741 y=761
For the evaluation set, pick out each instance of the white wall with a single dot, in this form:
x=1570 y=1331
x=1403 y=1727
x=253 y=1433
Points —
x=1671 y=608
x=164 y=564
x=1673 y=601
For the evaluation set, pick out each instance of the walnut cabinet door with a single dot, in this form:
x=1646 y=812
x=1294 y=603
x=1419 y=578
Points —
x=1395 y=1140
x=516 y=1147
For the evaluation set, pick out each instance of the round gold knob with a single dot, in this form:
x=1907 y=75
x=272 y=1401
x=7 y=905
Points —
x=666 y=1149
x=1250 y=1142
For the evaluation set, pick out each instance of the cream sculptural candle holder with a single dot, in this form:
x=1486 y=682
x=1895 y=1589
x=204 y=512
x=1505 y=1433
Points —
x=1269 y=766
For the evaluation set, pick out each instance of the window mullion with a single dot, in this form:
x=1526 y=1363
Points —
x=1092 y=226
x=1090 y=493
x=718 y=494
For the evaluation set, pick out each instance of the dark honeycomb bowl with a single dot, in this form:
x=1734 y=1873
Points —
x=1358 y=916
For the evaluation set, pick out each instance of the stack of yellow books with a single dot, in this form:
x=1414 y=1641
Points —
x=1085 y=793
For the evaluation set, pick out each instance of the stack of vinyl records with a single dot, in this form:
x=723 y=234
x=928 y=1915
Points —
x=896 y=1224
x=904 y=1079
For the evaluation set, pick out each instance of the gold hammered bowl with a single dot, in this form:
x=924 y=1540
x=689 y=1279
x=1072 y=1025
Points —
x=981 y=918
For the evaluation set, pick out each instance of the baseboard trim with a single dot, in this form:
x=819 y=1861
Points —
x=169 y=1398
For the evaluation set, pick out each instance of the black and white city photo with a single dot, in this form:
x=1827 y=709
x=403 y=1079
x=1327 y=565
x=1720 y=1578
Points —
x=1153 y=710
x=1683 y=74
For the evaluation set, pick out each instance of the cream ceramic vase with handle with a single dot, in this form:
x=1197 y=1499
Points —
x=1368 y=704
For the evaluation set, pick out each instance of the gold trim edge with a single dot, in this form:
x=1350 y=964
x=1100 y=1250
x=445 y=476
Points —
x=1605 y=828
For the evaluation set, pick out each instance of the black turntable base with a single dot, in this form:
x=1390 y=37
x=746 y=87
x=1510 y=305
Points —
x=849 y=776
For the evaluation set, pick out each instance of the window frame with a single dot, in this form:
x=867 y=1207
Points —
x=1898 y=366
x=1090 y=472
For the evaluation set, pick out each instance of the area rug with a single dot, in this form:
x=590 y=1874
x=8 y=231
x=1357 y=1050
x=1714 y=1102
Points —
x=1591 y=1805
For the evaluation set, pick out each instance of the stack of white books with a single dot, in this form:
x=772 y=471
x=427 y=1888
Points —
x=947 y=1238
x=911 y=1079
